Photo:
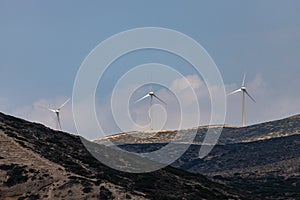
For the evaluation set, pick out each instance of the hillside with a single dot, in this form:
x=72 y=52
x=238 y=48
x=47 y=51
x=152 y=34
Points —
x=262 y=159
x=39 y=163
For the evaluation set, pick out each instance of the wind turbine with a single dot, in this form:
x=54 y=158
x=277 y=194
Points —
x=56 y=111
x=244 y=91
x=151 y=95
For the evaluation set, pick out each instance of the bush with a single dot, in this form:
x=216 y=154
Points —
x=16 y=176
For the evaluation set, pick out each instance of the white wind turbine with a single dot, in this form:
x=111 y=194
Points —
x=243 y=90
x=56 y=111
x=151 y=95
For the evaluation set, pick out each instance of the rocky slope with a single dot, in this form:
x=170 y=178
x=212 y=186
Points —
x=39 y=163
x=262 y=159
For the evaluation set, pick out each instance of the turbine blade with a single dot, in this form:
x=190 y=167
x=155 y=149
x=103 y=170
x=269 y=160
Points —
x=151 y=83
x=243 y=84
x=64 y=103
x=147 y=95
x=159 y=99
x=250 y=96
x=235 y=91
x=44 y=107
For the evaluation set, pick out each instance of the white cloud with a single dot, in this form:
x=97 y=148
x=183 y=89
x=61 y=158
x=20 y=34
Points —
x=181 y=83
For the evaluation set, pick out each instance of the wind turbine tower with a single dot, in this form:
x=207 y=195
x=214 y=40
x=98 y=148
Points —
x=152 y=95
x=57 y=111
x=244 y=91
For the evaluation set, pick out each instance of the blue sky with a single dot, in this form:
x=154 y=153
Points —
x=43 y=44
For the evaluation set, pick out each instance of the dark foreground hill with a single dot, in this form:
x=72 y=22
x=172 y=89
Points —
x=39 y=163
x=262 y=159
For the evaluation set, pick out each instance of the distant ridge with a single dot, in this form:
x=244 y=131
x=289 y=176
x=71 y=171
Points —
x=261 y=159
x=230 y=134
